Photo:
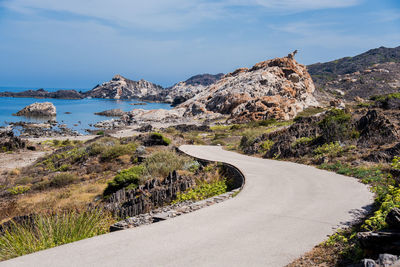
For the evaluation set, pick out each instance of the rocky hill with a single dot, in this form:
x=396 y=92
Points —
x=277 y=88
x=374 y=72
x=122 y=88
x=185 y=90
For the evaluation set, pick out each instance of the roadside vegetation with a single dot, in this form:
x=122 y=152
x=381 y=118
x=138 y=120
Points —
x=50 y=230
x=51 y=202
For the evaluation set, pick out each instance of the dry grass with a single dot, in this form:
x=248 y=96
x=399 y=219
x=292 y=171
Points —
x=76 y=196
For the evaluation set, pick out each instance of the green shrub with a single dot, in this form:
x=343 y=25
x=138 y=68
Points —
x=66 y=143
x=161 y=163
x=100 y=133
x=267 y=145
x=303 y=140
x=367 y=175
x=62 y=179
x=166 y=141
x=396 y=163
x=248 y=137
x=330 y=150
x=266 y=122
x=49 y=231
x=202 y=191
x=117 y=150
x=336 y=126
x=129 y=178
x=308 y=112
x=64 y=168
x=384 y=98
x=19 y=189
x=390 y=201
x=56 y=142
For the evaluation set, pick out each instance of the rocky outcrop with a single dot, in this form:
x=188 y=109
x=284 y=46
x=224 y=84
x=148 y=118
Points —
x=45 y=109
x=385 y=241
x=9 y=142
x=41 y=93
x=377 y=129
x=384 y=260
x=185 y=90
x=111 y=113
x=278 y=88
x=385 y=155
x=122 y=88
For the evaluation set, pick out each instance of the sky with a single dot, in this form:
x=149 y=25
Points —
x=78 y=44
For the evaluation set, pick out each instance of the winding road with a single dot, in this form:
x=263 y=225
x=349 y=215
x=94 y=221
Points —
x=283 y=211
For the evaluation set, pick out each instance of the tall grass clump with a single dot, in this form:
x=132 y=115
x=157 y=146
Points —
x=47 y=231
x=161 y=163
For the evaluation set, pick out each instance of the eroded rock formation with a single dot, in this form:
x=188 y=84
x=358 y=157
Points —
x=279 y=88
x=122 y=88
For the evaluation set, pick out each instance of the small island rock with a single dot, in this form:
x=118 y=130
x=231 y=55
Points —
x=45 y=109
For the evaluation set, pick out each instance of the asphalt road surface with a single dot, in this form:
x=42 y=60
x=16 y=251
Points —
x=283 y=211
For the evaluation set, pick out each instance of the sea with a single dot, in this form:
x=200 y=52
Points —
x=81 y=111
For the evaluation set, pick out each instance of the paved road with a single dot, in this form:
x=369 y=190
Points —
x=282 y=212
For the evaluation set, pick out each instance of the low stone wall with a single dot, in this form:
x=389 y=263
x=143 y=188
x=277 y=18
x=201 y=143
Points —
x=141 y=210
x=154 y=193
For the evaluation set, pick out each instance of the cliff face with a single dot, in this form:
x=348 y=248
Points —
x=121 y=88
x=277 y=88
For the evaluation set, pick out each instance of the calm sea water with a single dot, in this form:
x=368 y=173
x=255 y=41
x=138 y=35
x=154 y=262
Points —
x=82 y=110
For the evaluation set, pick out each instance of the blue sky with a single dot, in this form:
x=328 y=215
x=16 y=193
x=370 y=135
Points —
x=78 y=44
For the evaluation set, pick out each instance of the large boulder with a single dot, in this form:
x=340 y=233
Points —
x=45 y=109
x=279 y=88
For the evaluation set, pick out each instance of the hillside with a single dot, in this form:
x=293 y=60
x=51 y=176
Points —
x=374 y=72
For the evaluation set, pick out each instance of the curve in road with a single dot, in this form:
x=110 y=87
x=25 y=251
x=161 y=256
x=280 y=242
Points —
x=283 y=211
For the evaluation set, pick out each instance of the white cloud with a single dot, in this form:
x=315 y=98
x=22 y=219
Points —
x=166 y=15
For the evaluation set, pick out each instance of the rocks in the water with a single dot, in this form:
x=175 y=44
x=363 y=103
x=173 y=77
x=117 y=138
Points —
x=278 y=88
x=122 y=88
x=111 y=113
x=47 y=129
x=10 y=142
x=45 y=109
